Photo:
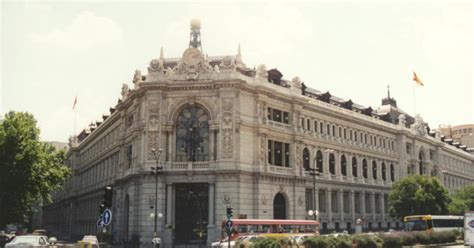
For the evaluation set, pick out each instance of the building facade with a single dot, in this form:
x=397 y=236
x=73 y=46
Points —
x=246 y=138
x=461 y=135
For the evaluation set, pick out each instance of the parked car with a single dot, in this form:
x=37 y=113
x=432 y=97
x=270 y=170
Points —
x=4 y=238
x=92 y=240
x=28 y=240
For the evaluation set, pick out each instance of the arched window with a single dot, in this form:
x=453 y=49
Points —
x=364 y=168
x=343 y=165
x=319 y=162
x=332 y=168
x=374 y=170
x=384 y=177
x=421 y=156
x=354 y=167
x=306 y=159
x=192 y=135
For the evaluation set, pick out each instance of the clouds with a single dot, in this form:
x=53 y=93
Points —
x=85 y=31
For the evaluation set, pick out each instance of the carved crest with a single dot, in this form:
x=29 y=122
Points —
x=227 y=199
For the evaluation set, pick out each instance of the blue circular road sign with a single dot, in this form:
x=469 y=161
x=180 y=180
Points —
x=107 y=217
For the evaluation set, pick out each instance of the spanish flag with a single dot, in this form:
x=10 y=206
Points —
x=417 y=79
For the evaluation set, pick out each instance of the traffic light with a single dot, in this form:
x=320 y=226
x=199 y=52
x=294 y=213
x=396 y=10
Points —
x=101 y=209
x=229 y=213
x=108 y=197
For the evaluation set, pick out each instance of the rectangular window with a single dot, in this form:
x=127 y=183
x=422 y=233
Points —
x=345 y=134
x=308 y=124
x=286 y=118
x=408 y=147
x=278 y=115
x=322 y=201
x=129 y=155
x=321 y=127
x=316 y=126
x=365 y=138
x=333 y=131
x=302 y=123
x=340 y=133
x=345 y=197
x=357 y=202
x=377 y=203
x=355 y=136
x=334 y=202
x=278 y=153
x=328 y=129
x=309 y=199
x=350 y=134
x=368 y=205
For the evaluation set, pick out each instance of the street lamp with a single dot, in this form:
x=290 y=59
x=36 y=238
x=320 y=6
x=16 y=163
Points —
x=314 y=172
x=155 y=171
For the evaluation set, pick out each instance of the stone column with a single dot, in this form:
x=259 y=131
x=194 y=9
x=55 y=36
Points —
x=362 y=196
x=352 y=206
x=341 y=203
x=337 y=163
x=211 y=144
x=211 y=228
x=326 y=164
x=329 y=205
x=372 y=202
x=382 y=206
x=169 y=204
x=316 y=197
x=349 y=167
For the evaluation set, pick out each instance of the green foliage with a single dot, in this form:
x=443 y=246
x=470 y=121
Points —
x=267 y=243
x=418 y=195
x=340 y=242
x=30 y=170
x=316 y=242
x=463 y=200
x=365 y=241
x=391 y=241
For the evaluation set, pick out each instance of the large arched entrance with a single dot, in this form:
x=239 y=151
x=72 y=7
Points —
x=279 y=207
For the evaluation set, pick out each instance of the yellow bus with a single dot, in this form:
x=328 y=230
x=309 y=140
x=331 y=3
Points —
x=433 y=222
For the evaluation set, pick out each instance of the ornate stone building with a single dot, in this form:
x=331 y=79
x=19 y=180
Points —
x=241 y=137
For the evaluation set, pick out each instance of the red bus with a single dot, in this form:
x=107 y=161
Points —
x=242 y=227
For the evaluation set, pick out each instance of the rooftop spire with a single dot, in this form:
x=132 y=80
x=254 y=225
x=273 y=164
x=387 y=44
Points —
x=195 y=37
x=388 y=91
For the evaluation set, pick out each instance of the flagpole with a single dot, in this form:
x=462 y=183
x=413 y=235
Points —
x=414 y=99
x=75 y=115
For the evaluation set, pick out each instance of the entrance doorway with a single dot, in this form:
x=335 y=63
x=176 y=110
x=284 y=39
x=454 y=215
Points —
x=191 y=213
x=279 y=207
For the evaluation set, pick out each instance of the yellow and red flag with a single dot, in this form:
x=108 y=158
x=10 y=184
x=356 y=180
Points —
x=417 y=79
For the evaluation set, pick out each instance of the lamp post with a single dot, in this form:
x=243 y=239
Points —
x=314 y=172
x=155 y=171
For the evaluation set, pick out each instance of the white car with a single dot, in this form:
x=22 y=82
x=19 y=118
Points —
x=28 y=240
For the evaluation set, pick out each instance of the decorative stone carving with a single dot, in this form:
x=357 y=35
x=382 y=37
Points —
x=152 y=143
x=156 y=65
x=263 y=153
x=153 y=115
x=227 y=129
x=300 y=201
x=216 y=69
x=192 y=64
x=124 y=92
x=402 y=120
x=296 y=82
x=265 y=199
x=262 y=72
x=419 y=126
x=227 y=63
x=227 y=199
x=298 y=155
x=137 y=78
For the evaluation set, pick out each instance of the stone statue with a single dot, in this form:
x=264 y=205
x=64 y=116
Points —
x=137 y=78
x=296 y=82
x=216 y=69
x=402 y=120
x=124 y=91
x=262 y=72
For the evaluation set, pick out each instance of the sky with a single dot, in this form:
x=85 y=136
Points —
x=53 y=51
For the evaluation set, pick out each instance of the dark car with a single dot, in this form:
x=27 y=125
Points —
x=4 y=239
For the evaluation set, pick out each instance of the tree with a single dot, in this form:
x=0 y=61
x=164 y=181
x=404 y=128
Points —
x=463 y=200
x=30 y=170
x=418 y=195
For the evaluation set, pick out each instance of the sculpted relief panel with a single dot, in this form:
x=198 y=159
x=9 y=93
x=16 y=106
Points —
x=227 y=128
x=153 y=127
